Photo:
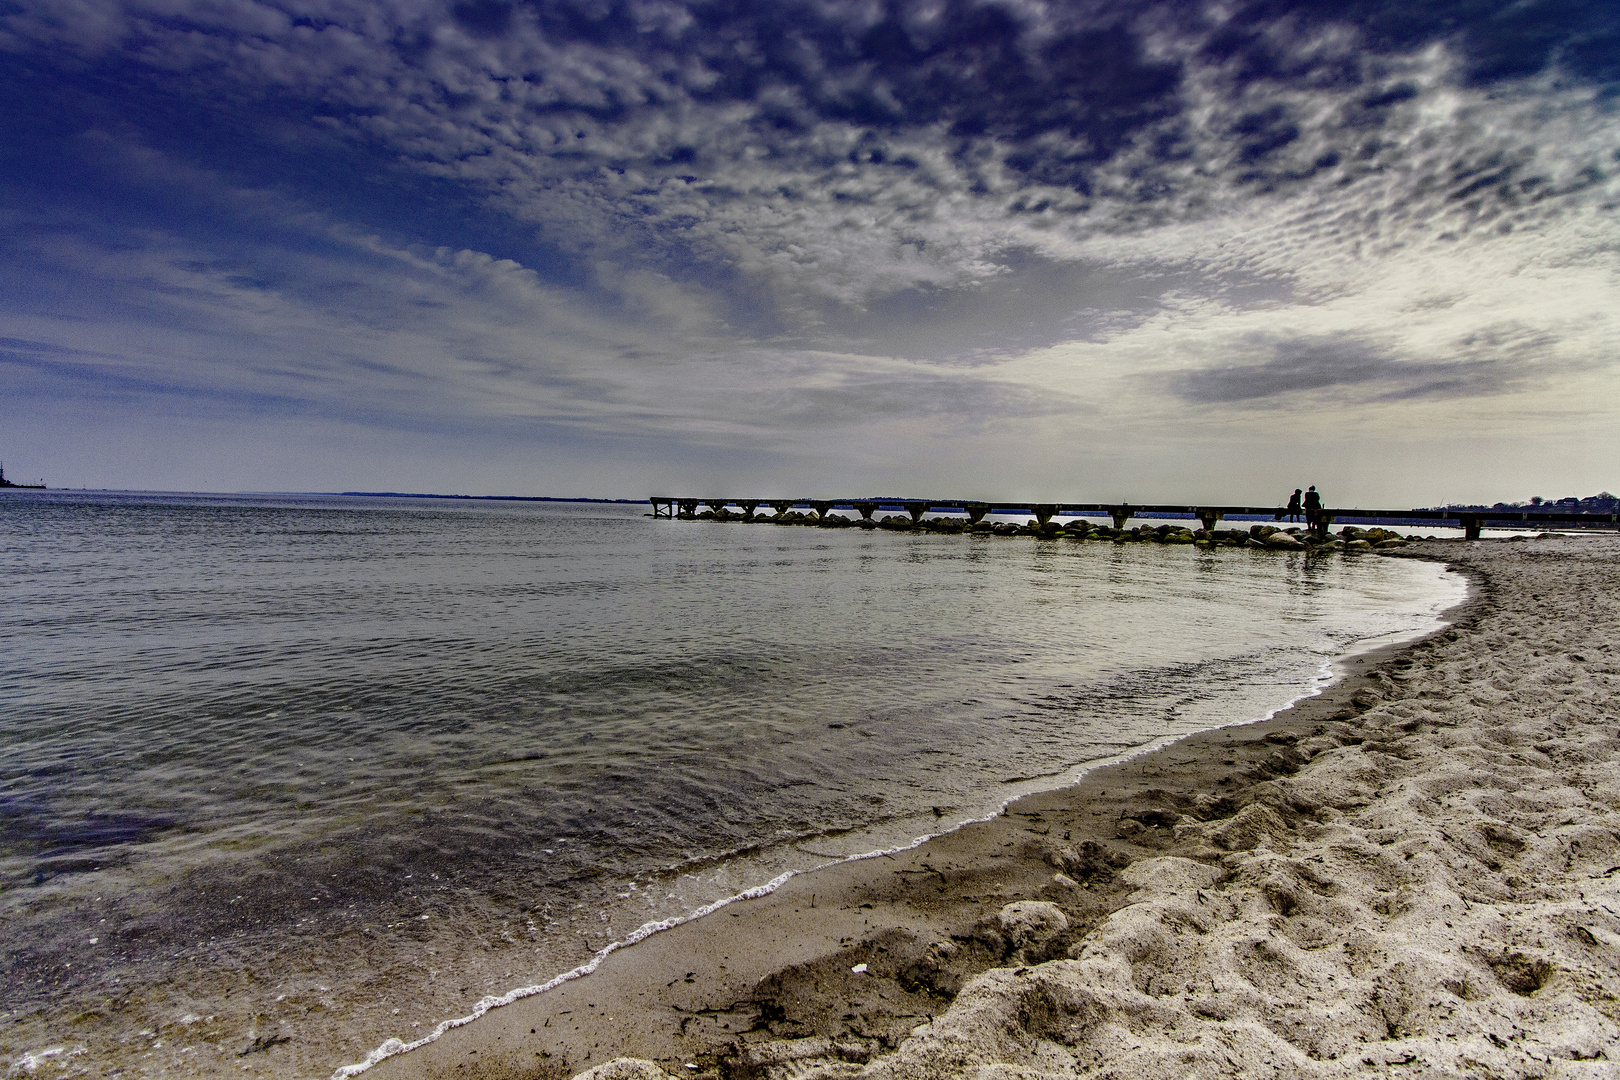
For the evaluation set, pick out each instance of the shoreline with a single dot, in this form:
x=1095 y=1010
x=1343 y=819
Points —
x=696 y=995
x=276 y=952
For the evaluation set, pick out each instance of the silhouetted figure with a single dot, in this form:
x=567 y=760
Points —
x=1313 y=508
x=1293 y=505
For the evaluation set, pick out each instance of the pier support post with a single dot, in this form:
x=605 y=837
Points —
x=1208 y=518
x=1043 y=513
x=821 y=509
x=689 y=507
x=748 y=506
x=717 y=505
x=867 y=509
x=663 y=507
x=916 y=510
x=782 y=506
x=976 y=512
x=1471 y=527
x=1121 y=514
x=1319 y=522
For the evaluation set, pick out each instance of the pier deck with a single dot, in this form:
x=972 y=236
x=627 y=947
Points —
x=1470 y=521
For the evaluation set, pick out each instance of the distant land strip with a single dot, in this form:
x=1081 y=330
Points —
x=488 y=498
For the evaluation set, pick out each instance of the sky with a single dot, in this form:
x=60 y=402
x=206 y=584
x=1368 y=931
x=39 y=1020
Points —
x=1155 y=251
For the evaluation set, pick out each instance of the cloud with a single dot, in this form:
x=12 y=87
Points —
x=1497 y=360
x=315 y=318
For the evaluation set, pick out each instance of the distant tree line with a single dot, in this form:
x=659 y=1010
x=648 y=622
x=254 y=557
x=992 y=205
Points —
x=1601 y=503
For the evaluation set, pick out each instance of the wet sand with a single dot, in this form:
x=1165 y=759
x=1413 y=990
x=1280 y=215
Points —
x=1418 y=868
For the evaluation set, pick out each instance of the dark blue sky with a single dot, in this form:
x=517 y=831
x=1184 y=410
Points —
x=1146 y=250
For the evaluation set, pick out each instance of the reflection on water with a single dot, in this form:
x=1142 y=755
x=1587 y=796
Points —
x=285 y=765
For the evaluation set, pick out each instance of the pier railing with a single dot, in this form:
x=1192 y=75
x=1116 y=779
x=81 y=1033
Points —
x=1471 y=521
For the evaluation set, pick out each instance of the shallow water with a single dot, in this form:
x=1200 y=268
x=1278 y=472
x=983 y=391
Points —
x=281 y=777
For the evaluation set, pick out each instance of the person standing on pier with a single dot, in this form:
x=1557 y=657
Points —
x=1293 y=505
x=1313 y=506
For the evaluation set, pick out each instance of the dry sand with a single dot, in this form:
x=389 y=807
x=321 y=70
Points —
x=1415 y=874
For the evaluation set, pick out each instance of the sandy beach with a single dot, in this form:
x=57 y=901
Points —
x=1416 y=873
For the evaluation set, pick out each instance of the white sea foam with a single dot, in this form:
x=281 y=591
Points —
x=398 y=1046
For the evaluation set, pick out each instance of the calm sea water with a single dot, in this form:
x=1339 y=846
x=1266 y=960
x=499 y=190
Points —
x=282 y=777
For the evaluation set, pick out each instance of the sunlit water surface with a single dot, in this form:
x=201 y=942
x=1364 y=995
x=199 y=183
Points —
x=282 y=777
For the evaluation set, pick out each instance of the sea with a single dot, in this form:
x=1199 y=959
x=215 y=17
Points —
x=287 y=782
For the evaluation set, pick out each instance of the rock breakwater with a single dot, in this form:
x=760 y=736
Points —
x=1272 y=537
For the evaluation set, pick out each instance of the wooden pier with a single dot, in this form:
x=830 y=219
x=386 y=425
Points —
x=1470 y=521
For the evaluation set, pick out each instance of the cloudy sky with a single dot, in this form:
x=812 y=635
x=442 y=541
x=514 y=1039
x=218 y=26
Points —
x=1077 y=250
